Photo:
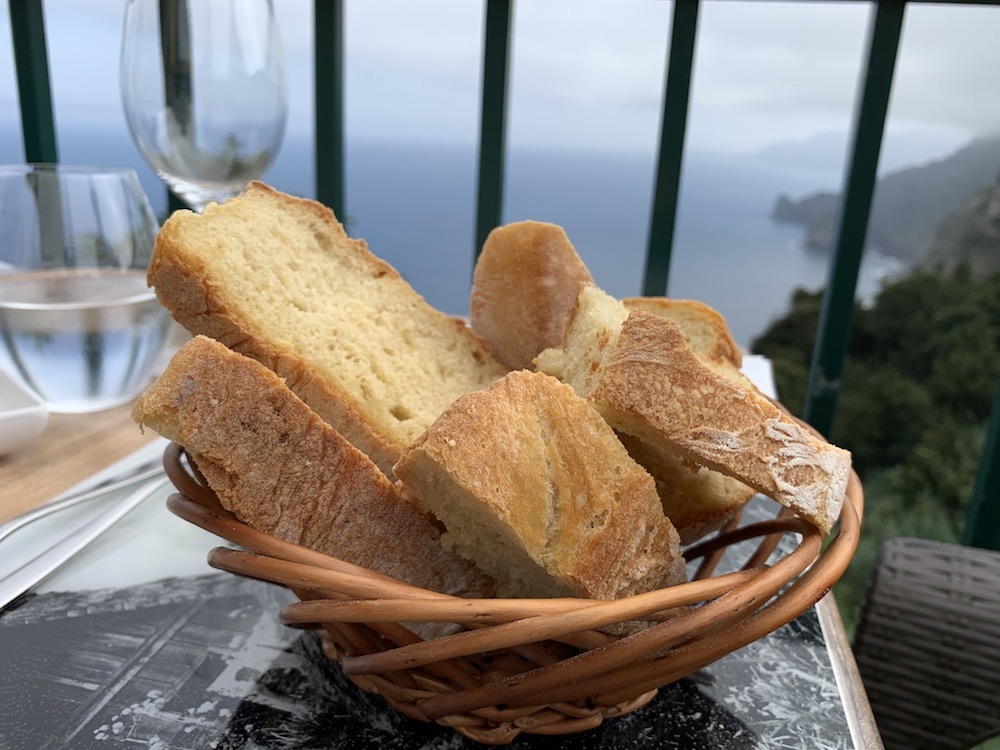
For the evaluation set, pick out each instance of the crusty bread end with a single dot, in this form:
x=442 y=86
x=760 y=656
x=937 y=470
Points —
x=535 y=488
x=524 y=289
x=277 y=278
x=282 y=470
x=647 y=382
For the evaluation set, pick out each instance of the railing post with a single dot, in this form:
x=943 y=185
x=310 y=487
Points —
x=493 y=123
x=328 y=51
x=175 y=48
x=673 y=122
x=982 y=524
x=27 y=28
x=834 y=331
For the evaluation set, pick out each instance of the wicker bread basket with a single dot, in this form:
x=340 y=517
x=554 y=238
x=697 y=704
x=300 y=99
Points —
x=533 y=666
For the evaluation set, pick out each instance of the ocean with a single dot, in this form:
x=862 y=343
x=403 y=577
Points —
x=414 y=204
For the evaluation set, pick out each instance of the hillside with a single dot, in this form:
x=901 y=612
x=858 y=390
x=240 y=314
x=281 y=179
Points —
x=909 y=204
x=970 y=236
x=918 y=385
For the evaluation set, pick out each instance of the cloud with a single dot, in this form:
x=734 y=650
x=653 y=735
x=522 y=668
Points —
x=435 y=38
x=782 y=58
x=585 y=73
x=948 y=68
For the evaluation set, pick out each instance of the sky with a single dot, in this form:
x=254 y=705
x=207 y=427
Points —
x=775 y=81
x=585 y=73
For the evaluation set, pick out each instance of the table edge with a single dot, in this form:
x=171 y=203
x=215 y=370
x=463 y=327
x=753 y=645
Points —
x=860 y=718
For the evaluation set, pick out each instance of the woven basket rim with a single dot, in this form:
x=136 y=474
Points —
x=522 y=665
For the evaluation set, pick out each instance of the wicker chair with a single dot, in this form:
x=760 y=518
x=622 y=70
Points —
x=928 y=645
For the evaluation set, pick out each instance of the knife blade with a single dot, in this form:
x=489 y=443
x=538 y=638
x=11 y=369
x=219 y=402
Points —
x=45 y=563
x=135 y=475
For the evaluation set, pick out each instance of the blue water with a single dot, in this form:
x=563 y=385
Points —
x=415 y=204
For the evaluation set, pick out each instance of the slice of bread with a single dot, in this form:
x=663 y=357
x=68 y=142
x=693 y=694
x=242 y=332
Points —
x=534 y=487
x=524 y=289
x=703 y=327
x=276 y=278
x=282 y=470
x=646 y=381
x=697 y=499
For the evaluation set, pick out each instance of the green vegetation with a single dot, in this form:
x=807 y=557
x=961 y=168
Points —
x=917 y=389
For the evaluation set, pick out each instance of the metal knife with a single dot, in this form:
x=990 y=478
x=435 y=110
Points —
x=35 y=570
x=135 y=475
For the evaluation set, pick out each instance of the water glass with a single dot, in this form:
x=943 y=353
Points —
x=78 y=324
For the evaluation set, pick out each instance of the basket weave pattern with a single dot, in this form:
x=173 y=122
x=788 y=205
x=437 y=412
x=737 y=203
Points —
x=500 y=667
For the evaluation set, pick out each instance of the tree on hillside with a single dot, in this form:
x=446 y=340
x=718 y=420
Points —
x=883 y=417
x=964 y=359
x=917 y=389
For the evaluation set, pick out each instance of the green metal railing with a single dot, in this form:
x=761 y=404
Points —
x=833 y=333
x=38 y=130
x=673 y=124
x=835 y=321
x=328 y=50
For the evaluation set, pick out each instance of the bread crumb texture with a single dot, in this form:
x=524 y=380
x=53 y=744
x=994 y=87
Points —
x=647 y=382
x=279 y=468
x=278 y=279
x=534 y=487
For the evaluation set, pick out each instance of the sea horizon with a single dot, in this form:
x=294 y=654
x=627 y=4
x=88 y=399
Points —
x=414 y=205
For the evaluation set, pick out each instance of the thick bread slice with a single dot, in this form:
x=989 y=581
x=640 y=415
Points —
x=704 y=328
x=524 y=289
x=284 y=471
x=645 y=380
x=534 y=487
x=695 y=498
x=276 y=278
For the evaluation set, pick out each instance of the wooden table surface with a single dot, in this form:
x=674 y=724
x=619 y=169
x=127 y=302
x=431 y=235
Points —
x=71 y=449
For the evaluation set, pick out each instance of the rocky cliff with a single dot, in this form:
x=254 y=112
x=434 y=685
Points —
x=970 y=235
x=909 y=204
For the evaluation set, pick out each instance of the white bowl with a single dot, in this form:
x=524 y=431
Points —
x=22 y=415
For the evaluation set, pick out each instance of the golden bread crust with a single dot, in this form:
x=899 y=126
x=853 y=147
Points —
x=524 y=288
x=282 y=470
x=704 y=328
x=535 y=488
x=654 y=387
x=277 y=278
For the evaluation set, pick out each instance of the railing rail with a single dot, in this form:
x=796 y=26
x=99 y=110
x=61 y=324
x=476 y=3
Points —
x=328 y=51
x=493 y=119
x=673 y=124
x=38 y=131
x=833 y=333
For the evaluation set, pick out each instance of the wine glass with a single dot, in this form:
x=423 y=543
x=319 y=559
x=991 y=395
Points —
x=203 y=86
x=78 y=324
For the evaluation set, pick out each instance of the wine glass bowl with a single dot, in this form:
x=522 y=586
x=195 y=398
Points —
x=203 y=88
x=78 y=324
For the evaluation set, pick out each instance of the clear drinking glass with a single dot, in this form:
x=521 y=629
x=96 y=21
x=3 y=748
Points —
x=203 y=86
x=78 y=325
